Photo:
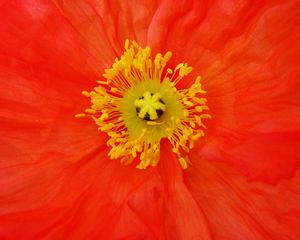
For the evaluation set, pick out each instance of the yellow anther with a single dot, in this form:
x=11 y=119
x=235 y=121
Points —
x=175 y=150
x=169 y=70
x=199 y=108
x=179 y=66
x=80 y=115
x=205 y=116
x=191 y=144
x=183 y=163
x=126 y=44
x=85 y=93
x=104 y=116
x=192 y=124
x=198 y=135
x=188 y=103
x=92 y=111
x=103 y=82
x=186 y=112
x=113 y=90
x=167 y=56
x=184 y=70
x=133 y=152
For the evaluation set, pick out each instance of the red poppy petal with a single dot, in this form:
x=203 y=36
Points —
x=83 y=200
x=198 y=32
x=267 y=157
x=43 y=71
x=105 y=25
x=257 y=130
x=183 y=218
x=201 y=33
x=257 y=111
x=36 y=35
x=238 y=209
x=250 y=70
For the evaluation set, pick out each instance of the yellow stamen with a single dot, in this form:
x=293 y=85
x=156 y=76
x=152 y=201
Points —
x=137 y=104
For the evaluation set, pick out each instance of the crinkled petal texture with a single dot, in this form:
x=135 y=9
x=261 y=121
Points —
x=56 y=179
x=247 y=56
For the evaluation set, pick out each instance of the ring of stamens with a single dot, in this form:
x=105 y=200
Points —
x=137 y=104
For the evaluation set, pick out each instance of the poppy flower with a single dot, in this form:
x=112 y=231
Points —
x=233 y=174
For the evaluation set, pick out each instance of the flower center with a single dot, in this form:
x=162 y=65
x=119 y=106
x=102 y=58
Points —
x=138 y=103
x=149 y=107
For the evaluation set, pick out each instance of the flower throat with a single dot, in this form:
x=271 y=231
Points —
x=137 y=104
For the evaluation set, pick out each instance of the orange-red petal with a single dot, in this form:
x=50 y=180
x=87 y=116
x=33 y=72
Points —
x=238 y=209
x=247 y=55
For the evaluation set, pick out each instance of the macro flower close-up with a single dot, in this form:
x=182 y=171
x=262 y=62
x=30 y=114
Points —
x=149 y=120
